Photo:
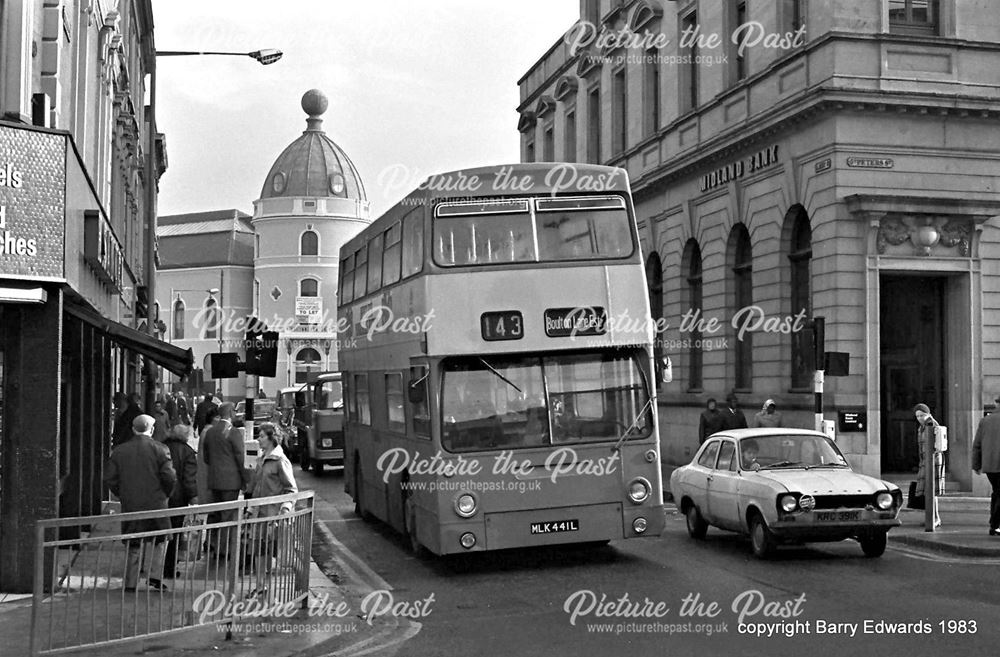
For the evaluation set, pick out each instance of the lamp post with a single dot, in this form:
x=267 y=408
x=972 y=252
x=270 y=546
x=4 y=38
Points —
x=265 y=57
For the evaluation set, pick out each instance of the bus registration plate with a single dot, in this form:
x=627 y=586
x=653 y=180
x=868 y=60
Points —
x=555 y=526
x=502 y=325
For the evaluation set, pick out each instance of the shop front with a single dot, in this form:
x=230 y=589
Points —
x=66 y=340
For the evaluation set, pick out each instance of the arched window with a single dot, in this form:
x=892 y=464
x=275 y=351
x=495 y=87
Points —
x=309 y=243
x=741 y=265
x=308 y=287
x=693 y=296
x=178 y=320
x=307 y=360
x=799 y=259
x=213 y=318
x=654 y=283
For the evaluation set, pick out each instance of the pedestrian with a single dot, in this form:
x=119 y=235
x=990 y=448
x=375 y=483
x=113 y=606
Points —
x=125 y=414
x=185 y=462
x=711 y=421
x=199 y=413
x=141 y=474
x=768 y=416
x=162 y=426
x=735 y=419
x=926 y=428
x=183 y=413
x=224 y=456
x=261 y=394
x=272 y=476
x=986 y=460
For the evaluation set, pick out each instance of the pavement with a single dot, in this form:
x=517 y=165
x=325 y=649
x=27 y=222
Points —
x=331 y=625
x=963 y=531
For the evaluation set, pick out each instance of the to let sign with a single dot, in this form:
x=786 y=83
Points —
x=309 y=310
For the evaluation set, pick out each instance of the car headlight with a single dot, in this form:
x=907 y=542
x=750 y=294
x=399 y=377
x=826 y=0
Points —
x=465 y=505
x=788 y=503
x=638 y=490
x=884 y=500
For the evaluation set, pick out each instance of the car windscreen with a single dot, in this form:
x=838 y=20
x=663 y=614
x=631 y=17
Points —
x=790 y=451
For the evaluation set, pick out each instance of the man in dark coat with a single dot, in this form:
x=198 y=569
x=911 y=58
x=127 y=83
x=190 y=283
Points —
x=735 y=419
x=199 y=413
x=224 y=456
x=986 y=460
x=125 y=413
x=711 y=421
x=141 y=474
x=185 y=462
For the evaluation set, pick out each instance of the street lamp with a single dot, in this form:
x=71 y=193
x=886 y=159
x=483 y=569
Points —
x=265 y=56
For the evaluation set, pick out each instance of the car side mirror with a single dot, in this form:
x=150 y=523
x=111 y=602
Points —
x=300 y=399
x=415 y=393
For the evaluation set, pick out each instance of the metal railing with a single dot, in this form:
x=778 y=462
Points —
x=98 y=583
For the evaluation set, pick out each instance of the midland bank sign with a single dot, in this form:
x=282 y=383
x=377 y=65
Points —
x=32 y=204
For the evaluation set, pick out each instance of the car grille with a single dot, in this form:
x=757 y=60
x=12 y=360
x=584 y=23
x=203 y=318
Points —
x=843 y=501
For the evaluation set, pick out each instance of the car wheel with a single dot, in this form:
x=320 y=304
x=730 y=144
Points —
x=317 y=468
x=873 y=543
x=697 y=527
x=761 y=538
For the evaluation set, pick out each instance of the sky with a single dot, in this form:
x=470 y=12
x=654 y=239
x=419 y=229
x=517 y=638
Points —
x=414 y=87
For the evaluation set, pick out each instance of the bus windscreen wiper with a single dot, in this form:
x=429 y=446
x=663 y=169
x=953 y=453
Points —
x=497 y=372
x=635 y=423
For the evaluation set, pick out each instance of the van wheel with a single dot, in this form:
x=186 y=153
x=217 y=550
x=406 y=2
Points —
x=761 y=538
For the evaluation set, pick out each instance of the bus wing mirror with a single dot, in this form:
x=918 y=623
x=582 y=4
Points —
x=415 y=393
x=664 y=370
x=300 y=399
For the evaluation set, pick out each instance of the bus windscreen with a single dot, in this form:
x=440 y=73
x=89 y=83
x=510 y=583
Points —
x=558 y=230
x=510 y=402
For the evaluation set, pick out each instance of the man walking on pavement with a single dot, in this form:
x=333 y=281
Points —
x=125 y=413
x=224 y=456
x=199 y=413
x=141 y=474
x=986 y=460
x=162 y=425
x=185 y=462
x=711 y=421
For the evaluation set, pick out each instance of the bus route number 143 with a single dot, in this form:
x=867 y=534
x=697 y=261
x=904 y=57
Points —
x=502 y=325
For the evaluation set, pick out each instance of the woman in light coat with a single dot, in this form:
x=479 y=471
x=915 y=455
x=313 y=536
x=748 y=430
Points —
x=273 y=476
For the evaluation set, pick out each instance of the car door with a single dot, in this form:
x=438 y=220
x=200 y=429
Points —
x=700 y=474
x=723 y=488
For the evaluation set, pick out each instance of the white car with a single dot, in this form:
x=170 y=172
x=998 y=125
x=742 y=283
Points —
x=783 y=485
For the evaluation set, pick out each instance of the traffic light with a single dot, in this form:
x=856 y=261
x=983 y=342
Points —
x=262 y=352
x=222 y=366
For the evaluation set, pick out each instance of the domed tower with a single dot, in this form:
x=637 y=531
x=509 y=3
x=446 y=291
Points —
x=312 y=202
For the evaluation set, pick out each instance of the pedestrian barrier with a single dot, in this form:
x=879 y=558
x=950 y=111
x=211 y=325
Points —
x=95 y=584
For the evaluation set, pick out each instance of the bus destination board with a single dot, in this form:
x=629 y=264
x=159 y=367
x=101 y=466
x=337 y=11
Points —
x=502 y=325
x=572 y=322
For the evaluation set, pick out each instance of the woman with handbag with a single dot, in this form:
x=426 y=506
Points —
x=273 y=476
x=926 y=428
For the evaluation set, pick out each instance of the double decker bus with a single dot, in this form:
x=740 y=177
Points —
x=497 y=362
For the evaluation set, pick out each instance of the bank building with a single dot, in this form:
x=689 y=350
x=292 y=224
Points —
x=846 y=168
x=279 y=264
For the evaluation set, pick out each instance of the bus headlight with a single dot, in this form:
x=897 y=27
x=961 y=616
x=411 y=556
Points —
x=638 y=490
x=650 y=456
x=639 y=525
x=468 y=540
x=465 y=505
x=884 y=500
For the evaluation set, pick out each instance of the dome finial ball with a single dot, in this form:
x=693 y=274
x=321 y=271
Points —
x=314 y=102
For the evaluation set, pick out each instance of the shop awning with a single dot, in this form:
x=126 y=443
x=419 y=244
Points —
x=177 y=360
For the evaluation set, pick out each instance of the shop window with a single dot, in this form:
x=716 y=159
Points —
x=309 y=243
x=308 y=360
x=308 y=287
x=693 y=293
x=919 y=17
x=799 y=259
x=178 y=320
x=741 y=266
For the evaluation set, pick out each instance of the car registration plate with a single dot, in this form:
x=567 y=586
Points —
x=837 y=516
x=555 y=526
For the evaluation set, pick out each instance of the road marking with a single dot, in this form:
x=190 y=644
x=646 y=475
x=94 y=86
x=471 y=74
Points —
x=375 y=582
x=930 y=555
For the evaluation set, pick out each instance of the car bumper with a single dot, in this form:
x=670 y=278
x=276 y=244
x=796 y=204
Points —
x=329 y=455
x=840 y=523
